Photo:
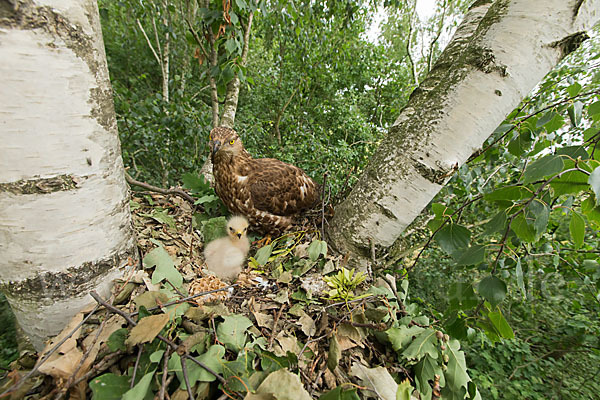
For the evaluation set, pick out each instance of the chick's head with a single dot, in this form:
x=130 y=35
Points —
x=237 y=227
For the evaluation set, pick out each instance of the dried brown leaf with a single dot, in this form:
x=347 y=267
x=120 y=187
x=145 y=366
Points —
x=147 y=329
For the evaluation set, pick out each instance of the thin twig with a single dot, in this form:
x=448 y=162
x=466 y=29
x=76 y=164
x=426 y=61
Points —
x=135 y=367
x=185 y=299
x=85 y=356
x=106 y=363
x=176 y=191
x=186 y=379
x=275 y=320
x=163 y=386
x=444 y=222
x=150 y=43
x=174 y=346
x=47 y=355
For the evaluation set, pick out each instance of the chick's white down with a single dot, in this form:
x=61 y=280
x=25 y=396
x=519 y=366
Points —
x=225 y=256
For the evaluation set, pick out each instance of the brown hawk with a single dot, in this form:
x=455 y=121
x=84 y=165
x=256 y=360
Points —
x=267 y=191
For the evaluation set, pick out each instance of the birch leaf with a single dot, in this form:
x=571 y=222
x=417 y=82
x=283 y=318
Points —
x=577 y=229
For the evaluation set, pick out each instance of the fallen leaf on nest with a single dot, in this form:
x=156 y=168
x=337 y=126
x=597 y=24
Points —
x=147 y=329
x=280 y=385
x=376 y=379
x=263 y=320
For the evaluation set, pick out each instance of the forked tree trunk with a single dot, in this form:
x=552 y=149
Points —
x=65 y=225
x=499 y=53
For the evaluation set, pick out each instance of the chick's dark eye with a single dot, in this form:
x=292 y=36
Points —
x=231 y=229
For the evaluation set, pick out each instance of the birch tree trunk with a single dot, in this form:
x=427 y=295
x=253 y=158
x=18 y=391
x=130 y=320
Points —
x=65 y=225
x=499 y=53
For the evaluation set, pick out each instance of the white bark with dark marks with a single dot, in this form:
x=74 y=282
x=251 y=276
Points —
x=499 y=53
x=65 y=225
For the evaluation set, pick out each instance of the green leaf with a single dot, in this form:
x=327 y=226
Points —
x=571 y=182
x=213 y=358
x=574 y=89
x=574 y=111
x=453 y=237
x=116 y=341
x=316 y=248
x=522 y=229
x=456 y=373
x=510 y=193
x=556 y=123
x=232 y=331
x=545 y=166
x=573 y=152
x=594 y=181
x=492 y=289
x=425 y=371
x=340 y=394
x=520 y=144
x=577 y=229
x=591 y=211
x=589 y=133
x=472 y=256
x=263 y=254
x=461 y=296
x=424 y=344
x=109 y=386
x=537 y=215
x=502 y=327
x=165 y=267
x=496 y=224
x=214 y=228
x=140 y=389
x=594 y=108
x=545 y=118
x=403 y=335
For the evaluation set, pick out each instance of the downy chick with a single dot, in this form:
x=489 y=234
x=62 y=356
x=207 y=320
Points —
x=225 y=256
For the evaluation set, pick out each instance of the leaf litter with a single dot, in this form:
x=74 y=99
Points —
x=170 y=330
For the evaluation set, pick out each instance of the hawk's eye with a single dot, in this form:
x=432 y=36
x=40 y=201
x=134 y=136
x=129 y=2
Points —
x=231 y=141
x=209 y=137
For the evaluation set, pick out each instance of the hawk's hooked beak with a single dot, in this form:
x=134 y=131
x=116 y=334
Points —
x=216 y=145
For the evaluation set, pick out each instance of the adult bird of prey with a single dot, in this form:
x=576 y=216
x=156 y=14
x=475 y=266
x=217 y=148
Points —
x=269 y=192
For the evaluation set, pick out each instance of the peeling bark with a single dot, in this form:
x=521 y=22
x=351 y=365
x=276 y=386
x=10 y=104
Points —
x=64 y=210
x=501 y=50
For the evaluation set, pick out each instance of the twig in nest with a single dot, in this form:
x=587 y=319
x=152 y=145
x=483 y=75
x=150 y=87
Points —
x=135 y=367
x=186 y=379
x=106 y=363
x=275 y=320
x=177 y=191
x=164 y=384
x=185 y=299
x=85 y=356
x=47 y=356
x=127 y=317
